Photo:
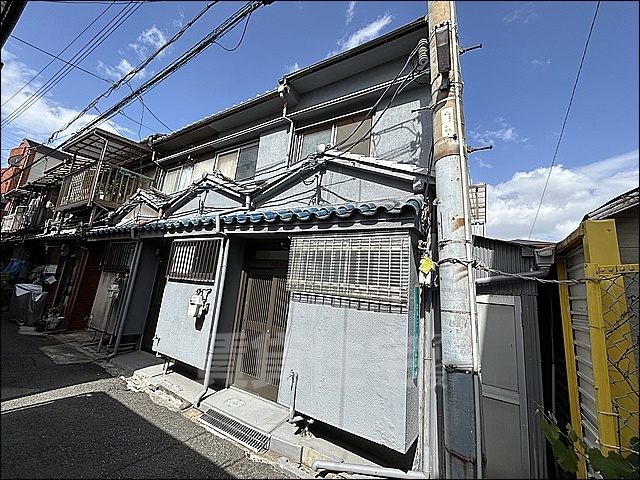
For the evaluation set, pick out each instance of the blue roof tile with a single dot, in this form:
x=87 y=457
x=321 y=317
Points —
x=347 y=210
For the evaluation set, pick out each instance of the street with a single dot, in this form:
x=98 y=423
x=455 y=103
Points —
x=77 y=420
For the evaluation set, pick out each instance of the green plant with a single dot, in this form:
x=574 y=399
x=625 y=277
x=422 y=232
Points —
x=37 y=273
x=613 y=465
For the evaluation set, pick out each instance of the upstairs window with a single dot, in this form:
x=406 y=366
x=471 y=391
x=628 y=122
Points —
x=335 y=132
x=239 y=163
x=176 y=179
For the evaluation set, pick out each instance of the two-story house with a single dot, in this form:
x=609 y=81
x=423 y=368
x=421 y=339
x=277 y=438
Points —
x=285 y=246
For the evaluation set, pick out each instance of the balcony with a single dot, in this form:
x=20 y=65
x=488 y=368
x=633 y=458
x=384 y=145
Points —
x=102 y=184
x=15 y=221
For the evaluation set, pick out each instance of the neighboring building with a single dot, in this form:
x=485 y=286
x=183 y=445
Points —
x=56 y=194
x=10 y=12
x=597 y=383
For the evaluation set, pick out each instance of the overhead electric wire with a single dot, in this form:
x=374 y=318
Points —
x=227 y=25
x=54 y=56
x=546 y=183
x=371 y=110
x=179 y=63
x=241 y=37
x=105 y=33
x=148 y=109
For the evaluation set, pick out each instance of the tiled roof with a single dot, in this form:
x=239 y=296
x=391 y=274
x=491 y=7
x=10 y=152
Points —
x=286 y=215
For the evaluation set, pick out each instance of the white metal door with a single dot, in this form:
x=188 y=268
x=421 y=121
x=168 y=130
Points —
x=504 y=396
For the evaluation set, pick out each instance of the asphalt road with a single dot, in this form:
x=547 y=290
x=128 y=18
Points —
x=80 y=421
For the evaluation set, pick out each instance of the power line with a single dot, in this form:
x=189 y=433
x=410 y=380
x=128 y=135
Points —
x=64 y=50
x=57 y=58
x=546 y=183
x=136 y=70
x=241 y=38
x=106 y=32
x=149 y=110
x=228 y=24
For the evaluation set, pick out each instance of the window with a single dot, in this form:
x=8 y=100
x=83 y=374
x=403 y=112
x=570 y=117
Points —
x=370 y=267
x=337 y=131
x=238 y=164
x=177 y=179
x=194 y=260
x=117 y=257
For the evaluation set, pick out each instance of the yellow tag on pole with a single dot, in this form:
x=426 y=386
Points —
x=426 y=264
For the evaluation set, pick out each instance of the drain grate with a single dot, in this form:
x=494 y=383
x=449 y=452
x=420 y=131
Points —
x=241 y=433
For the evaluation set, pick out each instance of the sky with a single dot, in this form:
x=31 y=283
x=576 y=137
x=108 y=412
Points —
x=517 y=88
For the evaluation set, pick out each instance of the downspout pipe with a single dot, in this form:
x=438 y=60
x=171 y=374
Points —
x=130 y=284
x=222 y=273
x=282 y=89
x=383 y=472
x=543 y=272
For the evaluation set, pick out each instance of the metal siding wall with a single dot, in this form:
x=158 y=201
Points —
x=354 y=371
x=135 y=318
x=272 y=150
x=399 y=134
x=177 y=335
x=512 y=258
x=104 y=316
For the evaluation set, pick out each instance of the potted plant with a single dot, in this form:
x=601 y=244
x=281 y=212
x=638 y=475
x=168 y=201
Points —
x=37 y=273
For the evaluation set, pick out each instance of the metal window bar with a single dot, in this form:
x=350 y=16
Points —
x=194 y=260
x=118 y=256
x=372 y=267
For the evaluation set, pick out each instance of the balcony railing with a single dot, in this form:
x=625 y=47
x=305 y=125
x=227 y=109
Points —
x=107 y=186
x=16 y=221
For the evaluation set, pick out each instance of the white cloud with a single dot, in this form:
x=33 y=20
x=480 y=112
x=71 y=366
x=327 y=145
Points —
x=44 y=116
x=366 y=33
x=351 y=11
x=570 y=195
x=482 y=164
x=119 y=70
x=292 y=68
x=540 y=63
x=151 y=37
x=148 y=42
x=524 y=15
x=178 y=23
x=505 y=133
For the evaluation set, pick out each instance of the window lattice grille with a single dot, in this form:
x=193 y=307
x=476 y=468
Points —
x=371 y=267
x=194 y=260
x=117 y=257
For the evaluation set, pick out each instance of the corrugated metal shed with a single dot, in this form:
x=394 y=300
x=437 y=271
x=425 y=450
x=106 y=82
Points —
x=517 y=258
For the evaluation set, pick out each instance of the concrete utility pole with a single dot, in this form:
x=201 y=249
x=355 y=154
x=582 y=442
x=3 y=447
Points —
x=459 y=327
